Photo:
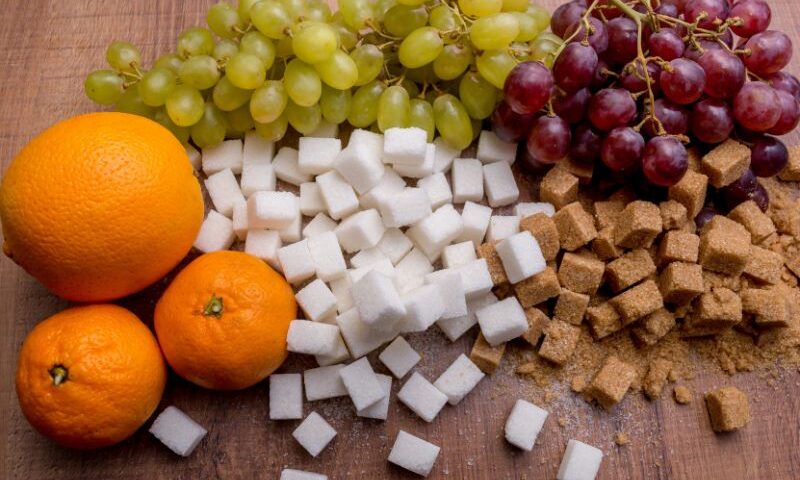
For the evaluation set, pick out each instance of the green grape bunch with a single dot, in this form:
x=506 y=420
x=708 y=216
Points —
x=439 y=65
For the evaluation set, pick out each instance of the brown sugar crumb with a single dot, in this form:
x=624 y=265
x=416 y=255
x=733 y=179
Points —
x=653 y=327
x=603 y=320
x=537 y=322
x=629 y=269
x=488 y=252
x=678 y=246
x=681 y=282
x=754 y=220
x=607 y=212
x=713 y=312
x=562 y=422
x=571 y=306
x=575 y=227
x=791 y=172
x=603 y=246
x=673 y=214
x=485 y=356
x=769 y=306
x=559 y=343
x=622 y=439
x=724 y=246
x=638 y=225
x=581 y=274
x=545 y=232
x=690 y=192
x=656 y=377
x=583 y=171
x=726 y=163
x=559 y=187
x=612 y=382
x=764 y=265
x=638 y=302
x=728 y=409
x=578 y=383
x=503 y=291
x=538 y=288
x=683 y=395
x=714 y=279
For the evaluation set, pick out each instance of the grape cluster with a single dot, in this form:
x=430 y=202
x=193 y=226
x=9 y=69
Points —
x=635 y=81
x=268 y=64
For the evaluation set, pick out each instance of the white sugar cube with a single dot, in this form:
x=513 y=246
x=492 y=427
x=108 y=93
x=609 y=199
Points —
x=454 y=328
x=437 y=230
x=361 y=383
x=380 y=409
x=499 y=184
x=437 y=188
x=521 y=256
x=492 y=149
x=360 y=338
x=399 y=357
x=524 y=424
x=384 y=266
x=227 y=154
x=360 y=166
x=502 y=321
x=405 y=146
x=312 y=338
x=314 y=434
x=285 y=396
x=177 y=431
x=459 y=379
x=502 y=227
x=367 y=257
x=580 y=462
x=325 y=129
x=360 y=230
x=239 y=219
x=258 y=177
x=285 y=165
x=424 y=305
x=458 y=254
x=291 y=474
x=406 y=207
x=296 y=262
x=365 y=138
x=341 y=290
x=195 y=158
x=311 y=202
x=451 y=289
x=216 y=233
x=476 y=278
x=390 y=183
x=411 y=270
x=327 y=255
x=317 y=155
x=445 y=154
x=324 y=382
x=257 y=150
x=340 y=198
x=378 y=303
x=526 y=209
x=273 y=210
x=422 y=170
x=321 y=223
x=293 y=232
x=316 y=300
x=395 y=245
x=224 y=191
x=413 y=453
x=264 y=244
x=340 y=353
x=467 y=176
x=422 y=397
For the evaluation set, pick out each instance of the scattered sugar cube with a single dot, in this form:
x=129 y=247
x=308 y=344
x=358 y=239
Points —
x=521 y=256
x=239 y=219
x=413 y=453
x=325 y=129
x=422 y=170
x=257 y=150
x=285 y=396
x=380 y=409
x=340 y=353
x=317 y=300
x=257 y=177
x=502 y=321
x=360 y=166
x=224 y=191
x=296 y=262
x=321 y=223
x=411 y=270
x=451 y=289
x=291 y=474
x=360 y=338
x=437 y=188
x=177 y=431
x=314 y=434
x=458 y=254
x=378 y=303
x=316 y=156
x=424 y=305
x=406 y=207
x=454 y=328
x=312 y=338
x=274 y=210
x=285 y=165
x=327 y=255
x=475 y=218
x=195 y=158
x=361 y=383
x=324 y=382
x=292 y=233
x=467 y=177
x=524 y=424
x=437 y=230
x=476 y=278
x=339 y=196
x=502 y=227
x=341 y=290
x=311 y=202
x=227 y=154
x=360 y=230
x=399 y=357
x=405 y=146
x=422 y=397
x=580 y=462
x=445 y=154
x=492 y=149
x=216 y=233
x=264 y=244
x=367 y=257
x=395 y=245
x=367 y=138
x=384 y=266
x=528 y=209
x=459 y=379
x=389 y=184
x=499 y=184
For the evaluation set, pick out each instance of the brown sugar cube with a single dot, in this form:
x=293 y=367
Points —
x=678 y=246
x=673 y=214
x=560 y=341
x=656 y=378
x=581 y=274
x=728 y=409
x=607 y=212
x=538 y=288
x=768 y=305
x=559 y=187
x=695 y=158
x=545 y=232
x=612 y=382
x=690 y=192
x=754 y=220
x=638 y=225
x=603 y=320
x=653 y=327
x=583 y=171
x=537 y=322
x=681 y=282
x=791 y=172
x=485 y=356
x=683 y=396
x=629 y=269
x=575 y=227
x=603 y=246
x=726 y=163
x=638 y=302
x=571 y=306
x=764 y=265
x=724 y=246
x=488 y=252
x=713 y=312
x=503 y=291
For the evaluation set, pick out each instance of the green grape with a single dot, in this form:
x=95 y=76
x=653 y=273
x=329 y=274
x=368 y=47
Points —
x=383 y=6
x=495 y=65
x=364 y=108
x=335 y=104
x=224 y=20
x=478 y=96
x=200 y=72
x=541 y=15
x=423 y=74
x=268 y=101
x=442 y=18
x=544 y=47
x=318 y=10
x=284 y=48
x=259 y=45
x=356 y=13
x=225 y=49
x=131 y=102
x=273 y=131
x=181 y=133
x=339 y=71
x=185 y=106
x=295 y=8
x=240 y=121
x=347 y=37
x=420 y=47
x=123 y=57
x=155 y=85
x=229 y=97
x=246 y=70
x=412 y=3
x=422 y=117
x=394 y=108
x=314 y=42
x=195 y=41
x=528 y=28
x=210 y=129
x=244 y=9
x=411 y=87
x=369 y=62
x=169 y=61
x=515 y=5
x=452 y=121
x=104 y=86
x=271 y=18
x=494 y=31
x=401 y=20
x=302 y=83
x=452 y=62
x=480 y=8
x=303 y=119
x=477 y=125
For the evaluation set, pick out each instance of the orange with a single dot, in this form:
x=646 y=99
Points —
x=222 y=323
x=90 y=376
x=100 y=206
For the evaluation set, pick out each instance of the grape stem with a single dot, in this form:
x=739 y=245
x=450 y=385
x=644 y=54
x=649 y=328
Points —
x=584 y=21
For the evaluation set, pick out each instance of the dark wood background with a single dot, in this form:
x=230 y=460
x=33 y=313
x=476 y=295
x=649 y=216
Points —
x=47 y=47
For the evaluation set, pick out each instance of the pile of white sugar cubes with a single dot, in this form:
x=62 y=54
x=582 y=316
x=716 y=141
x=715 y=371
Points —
x=359 y=244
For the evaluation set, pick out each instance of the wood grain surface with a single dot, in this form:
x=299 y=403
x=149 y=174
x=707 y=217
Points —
x=47 y=47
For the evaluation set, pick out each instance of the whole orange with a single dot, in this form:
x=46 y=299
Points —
x=100 y=206
x=90 y=376
x=223 y=321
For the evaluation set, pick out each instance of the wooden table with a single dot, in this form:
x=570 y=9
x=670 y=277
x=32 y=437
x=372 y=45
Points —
x=47 y=47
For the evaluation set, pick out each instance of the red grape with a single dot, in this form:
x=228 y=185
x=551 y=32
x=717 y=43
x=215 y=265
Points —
x=683 y=82
x=528 y=87
x=601 y=77
x=678 y=4
x=790 y=114
x=785 y=82
x=598 y=39
x=705 y=45
x=531 y=165
x=712 y=120
x=673 y=117
x=622 y=149
x=725 y=73
x=633 y=79
x=704 y=216
x=586 y=144
x=757 y=107
x=665 y=161
x=566 y=15
x=622 y=41
x=769 y=52
x=610 y=108
x=549 y=139
x=715 y=10
x=740 y=191
x=761 y=197
x=572 y=106
x=769 y=156
x=666 y=44
x=509 y=125
x=668 y=9
x=575 y=66
x=755 y=16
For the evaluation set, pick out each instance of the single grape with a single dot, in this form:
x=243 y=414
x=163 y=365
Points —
x=335 y=104
x=225 y=49
x=246 y=71
x=302 y=83
x=712 y=120
x=611 y=108
x=692 y=53
x=667 y=44
x=400 y=20
x=181 y=133
x=549 y=140
x=740 y=191
x=528 y=87
x=704 y=216
x=185 y=106
x=565 y=15
x=452 y=121
x=714 y=11
x=633 y=79
x=767 y=52
x=239 y=121
x=170 y=61
x=421 y=116
x=420 y=47
x=210 y=129
x=303 y=119
x=665 y=161
x=572 y=107
x=480 y=8
x=268 y=101
x=494 y=32
x=411 y=87
x=769 y=156
x=761 y=197
x=453 y=61
x=104 y=86
x=339 y=71
x=544 y=48
x=295 y=8
x=356 y=13
x=478 y=96
x=515 y=5
x=200 y=72
x=394 y=108
x=347 y=37
x=622 y=149
x=586 y=144
x=123 y=57
x=597 y=38
x=757 y=107
x=195 y=41
x=725 y=73
x=509 y=125
x=318 y=10
x=271 y=18
x=495 y=66
x=244 y=9
x=755 y=16
x=790 y=114
x=443 y=18
x=540 y=14
x=369 y=62
x=155 y=85
x=601 y=77
x=669 y=9
x=528 y=28
x=785 y=82
x=314 y=42
x=683 y=82
x=364 y=107
x=673 y=117
x=224 y=20
x=575 y=66
x=228 y=97
x=259 y=45
x=622 y=41
x=273 y=132
x=530 y=165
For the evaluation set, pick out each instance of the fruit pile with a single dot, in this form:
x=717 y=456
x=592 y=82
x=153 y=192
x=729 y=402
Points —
x=273 y=63
x=635 y=82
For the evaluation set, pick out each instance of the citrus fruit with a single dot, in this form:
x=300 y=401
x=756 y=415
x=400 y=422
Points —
x=90 y=376
x=100 y=206
x=222 y=322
